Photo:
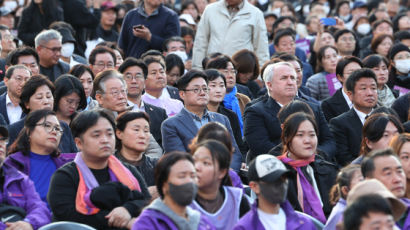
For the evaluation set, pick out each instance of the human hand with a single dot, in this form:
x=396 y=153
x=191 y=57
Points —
x=19 y=225
x=142 y=32
x=131 y=222
x=118 y=217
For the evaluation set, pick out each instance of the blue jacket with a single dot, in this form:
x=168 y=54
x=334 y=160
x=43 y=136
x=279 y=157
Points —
x=162 y=24
x=293 y=220
x=19 y=191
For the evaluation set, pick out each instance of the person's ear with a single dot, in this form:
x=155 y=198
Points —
x=6 y=80
x=99 y=98
x=222 y=173
x=282 y=125
x=340 y=78
x=119 y=134
x=255 y=187
x=368 y=143
x=79 y=143
x=182 y=94
x=350 y=95
x=344 y=190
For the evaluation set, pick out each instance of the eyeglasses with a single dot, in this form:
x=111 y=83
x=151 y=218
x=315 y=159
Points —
x=4 y=140
x=50 y=128
x=116 y=93
x=229 y=71
x=54 y=49
x=137 y=76
x=101 y=65
x=8 y=37
x=21 y=79
x=197 y=90
x=348 y=39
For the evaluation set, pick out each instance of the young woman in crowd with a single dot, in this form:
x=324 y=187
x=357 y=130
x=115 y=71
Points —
x=247 y=64
x=377 y=132
x=327 y=59
x=348 y=177
x=323 y=38
x=401 y=146
x=174 y=68
x=221 y=203
x=69 y=97
x=176 y=181
x=399 y=75
x=217 y=91
x=307 y=192
x=379 y=64
x=381 y=44
x=37 y=93
x=35 y=152
x=86 y=77
x=362 y=27
x=133 y=136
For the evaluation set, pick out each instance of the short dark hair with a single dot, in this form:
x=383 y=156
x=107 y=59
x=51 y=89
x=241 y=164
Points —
x=344 y=61
x=173 y=60
x=290 y=57
x=213 y=74
x=101 y=50
x=209 y=57
x=219 y=62
x=87 y=119
x=339 y=33
x=102 y=77
x=30 y=88
x=65 y=85
x=396 y=20
x=374 y=60
x=377 y=40
x=401 y=35
x=79 y=69
x=362 y=207
x=184 y=81
x=185 y=30
x=14 y=55
x=280 y=20
x=163 y=167
x=282 y=33
x=172 y=39
x=124 y=118
x=379 y=22
x=22 y=142
x=294 y=107
x=153 y=54
x=246 y=61
x=131 y=61
x=356 y=76
x=149 y=60
x=368 y=162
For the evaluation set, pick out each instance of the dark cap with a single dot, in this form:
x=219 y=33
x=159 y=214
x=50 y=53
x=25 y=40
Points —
x=359 y=4
x=266 y=168
x=66 y=34
x=3 y=131
x=396 y=48
x=108 y=5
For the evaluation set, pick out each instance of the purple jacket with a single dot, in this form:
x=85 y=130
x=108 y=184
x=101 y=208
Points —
x=158 y=216
x=19 y=190
x=22 y=162
x=406 y=224
x=293 y=220
x=336 y=216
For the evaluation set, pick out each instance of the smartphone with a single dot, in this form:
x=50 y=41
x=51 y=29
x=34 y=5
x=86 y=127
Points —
x=138 y=27
x=328 y=21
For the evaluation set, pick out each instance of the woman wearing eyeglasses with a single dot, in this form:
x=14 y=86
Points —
x=35 y=151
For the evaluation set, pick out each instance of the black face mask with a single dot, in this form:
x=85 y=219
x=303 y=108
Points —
x=276 y=192
x=183 y=194
x=118 y=21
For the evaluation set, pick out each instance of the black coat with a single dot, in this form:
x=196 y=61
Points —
x=236 y=129
x=156 y=116
x=347 y=130
x=401 y=106
x=334 y=105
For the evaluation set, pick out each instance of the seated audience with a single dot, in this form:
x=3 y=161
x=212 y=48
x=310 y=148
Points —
x=247 y=64
x=86 y=77
x=268 y=179
x=14 y=184
x=96 y=188
x=35 y=151
x=399 y=77
x=176 y=181
x=401 y=146
x=221 y=203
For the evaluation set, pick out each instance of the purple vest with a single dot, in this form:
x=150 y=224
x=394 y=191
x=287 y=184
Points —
x=228 y=215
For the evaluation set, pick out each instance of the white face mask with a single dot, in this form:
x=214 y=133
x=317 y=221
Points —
x=180 y=54
x=364 y=28
x=67 y=49
x=10 y=5
x=345 y=18
x=327 y=9
x=403 y=66
x=21 y=2
x=276 y=11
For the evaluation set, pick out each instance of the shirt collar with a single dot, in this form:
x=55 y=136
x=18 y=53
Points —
x=349 y=102
x=362 y=116
x=8 y=101
x=194 y=116
x=141 y=10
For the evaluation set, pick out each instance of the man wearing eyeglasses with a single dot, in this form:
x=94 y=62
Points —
x=14 y=80
x=101 y=58
x=178 y=131
x=7 y=41
x=48 y=46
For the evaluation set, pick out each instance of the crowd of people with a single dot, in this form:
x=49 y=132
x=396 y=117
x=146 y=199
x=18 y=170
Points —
x=205 y=114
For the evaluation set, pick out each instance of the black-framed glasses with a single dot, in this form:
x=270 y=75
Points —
x=197 y=90
x=54 y=49
x=50 y=128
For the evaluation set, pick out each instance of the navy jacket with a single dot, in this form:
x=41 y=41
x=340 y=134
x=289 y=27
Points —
x=163 y=24
x=334 y=105
x=156 y=115
x=3 y=109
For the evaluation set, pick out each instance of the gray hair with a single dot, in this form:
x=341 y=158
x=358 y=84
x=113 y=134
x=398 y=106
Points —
x=270 y=70
x=105 y=76
x=46 y=36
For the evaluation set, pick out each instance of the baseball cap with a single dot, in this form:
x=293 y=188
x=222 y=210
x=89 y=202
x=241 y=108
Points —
x=3 y=131
x=359 y=4
x=188 y=18
x=374 y=186
x=66 y=34
x=108 y=5
x=266 y=168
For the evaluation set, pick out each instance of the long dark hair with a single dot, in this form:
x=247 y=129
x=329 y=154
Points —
x=122 y=121
x=22 y=143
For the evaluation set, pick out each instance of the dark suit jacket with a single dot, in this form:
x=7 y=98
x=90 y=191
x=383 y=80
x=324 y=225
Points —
x=66 y=145
x=236 y=129
x=156 y=116
x=57 y=70
x=334 y=105
x=173 y=92
x=347 y=130
x=262 y=129
x=179 y=130
x=3 y=109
